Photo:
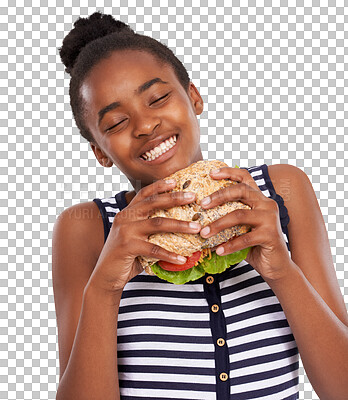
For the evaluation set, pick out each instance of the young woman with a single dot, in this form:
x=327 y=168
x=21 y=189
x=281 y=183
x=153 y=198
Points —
x=236 y=335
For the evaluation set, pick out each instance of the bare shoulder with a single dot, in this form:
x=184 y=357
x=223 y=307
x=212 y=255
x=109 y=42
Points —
x=77 y=240
x=299 y=197
x=286 y=178
x=298 y=194
x=84 y=221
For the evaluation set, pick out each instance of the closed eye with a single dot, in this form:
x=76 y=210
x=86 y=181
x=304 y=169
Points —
x=160 y=98
x=111 y=127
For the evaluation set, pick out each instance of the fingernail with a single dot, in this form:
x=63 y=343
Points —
x=220 y=250
x=206 y=201
x=194 y=225
x=205 y=231
x=214 y=171
x=189 y=195
x=181 y=259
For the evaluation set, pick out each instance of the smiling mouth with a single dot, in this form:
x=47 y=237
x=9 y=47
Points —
x=162 y=148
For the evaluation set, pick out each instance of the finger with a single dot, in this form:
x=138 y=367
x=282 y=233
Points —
x=144 y=248
x=238 y=192
x=160 y=224
x=158 y=201
x=252 y=238
x=164 y=201
x=160 y=186
x=241 y=216
x=235 y=174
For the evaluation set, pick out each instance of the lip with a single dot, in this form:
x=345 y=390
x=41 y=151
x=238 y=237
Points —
x=165 y=156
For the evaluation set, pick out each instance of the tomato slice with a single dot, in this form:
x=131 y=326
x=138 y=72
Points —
x=191 y=261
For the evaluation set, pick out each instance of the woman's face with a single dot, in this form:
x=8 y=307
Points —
x=126 y=121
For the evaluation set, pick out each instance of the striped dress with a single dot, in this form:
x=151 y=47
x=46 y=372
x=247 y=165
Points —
x=222 y=337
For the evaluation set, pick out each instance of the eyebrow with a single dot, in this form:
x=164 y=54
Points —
x=138 y=92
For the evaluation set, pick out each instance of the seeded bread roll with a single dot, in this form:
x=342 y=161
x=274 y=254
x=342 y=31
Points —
x=195 y=178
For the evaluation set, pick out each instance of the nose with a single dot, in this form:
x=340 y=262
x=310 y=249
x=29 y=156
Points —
x=146 y=125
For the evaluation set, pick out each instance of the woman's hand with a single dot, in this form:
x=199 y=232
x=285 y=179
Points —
x=269 y=254
x=117 y=263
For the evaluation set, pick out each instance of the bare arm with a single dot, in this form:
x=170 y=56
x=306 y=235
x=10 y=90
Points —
x=91 y=372
x=310 y=294
x=321 y=337
x=86 y=317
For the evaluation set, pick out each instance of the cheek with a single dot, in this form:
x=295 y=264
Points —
x=182 y=114
x=177 y=111
x=181 y=105
x=120 y=149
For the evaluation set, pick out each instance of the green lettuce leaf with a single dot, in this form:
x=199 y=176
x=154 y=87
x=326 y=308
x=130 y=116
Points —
x=215 y=265
x=178 y=277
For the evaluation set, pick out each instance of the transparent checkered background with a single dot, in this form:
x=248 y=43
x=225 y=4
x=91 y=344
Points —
x=274 y=82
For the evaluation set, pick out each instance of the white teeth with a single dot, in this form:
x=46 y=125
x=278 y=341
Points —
x=160 y=149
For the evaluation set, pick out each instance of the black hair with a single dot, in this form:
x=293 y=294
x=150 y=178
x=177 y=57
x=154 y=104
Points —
x=95 y=38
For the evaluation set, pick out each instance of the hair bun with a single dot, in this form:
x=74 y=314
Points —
x=85 y=31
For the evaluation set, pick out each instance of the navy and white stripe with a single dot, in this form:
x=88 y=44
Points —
x=225 y=338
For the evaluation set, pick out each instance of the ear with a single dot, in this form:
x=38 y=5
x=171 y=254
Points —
x=102 y=158
x=196 y=99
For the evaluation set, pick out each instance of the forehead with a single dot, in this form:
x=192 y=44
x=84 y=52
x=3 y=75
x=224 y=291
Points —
x=122 y=73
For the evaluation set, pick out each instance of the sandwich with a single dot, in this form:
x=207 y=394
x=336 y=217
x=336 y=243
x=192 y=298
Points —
x=200 y=254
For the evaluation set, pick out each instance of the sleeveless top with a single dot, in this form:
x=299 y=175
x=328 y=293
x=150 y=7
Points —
x=225 y=338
